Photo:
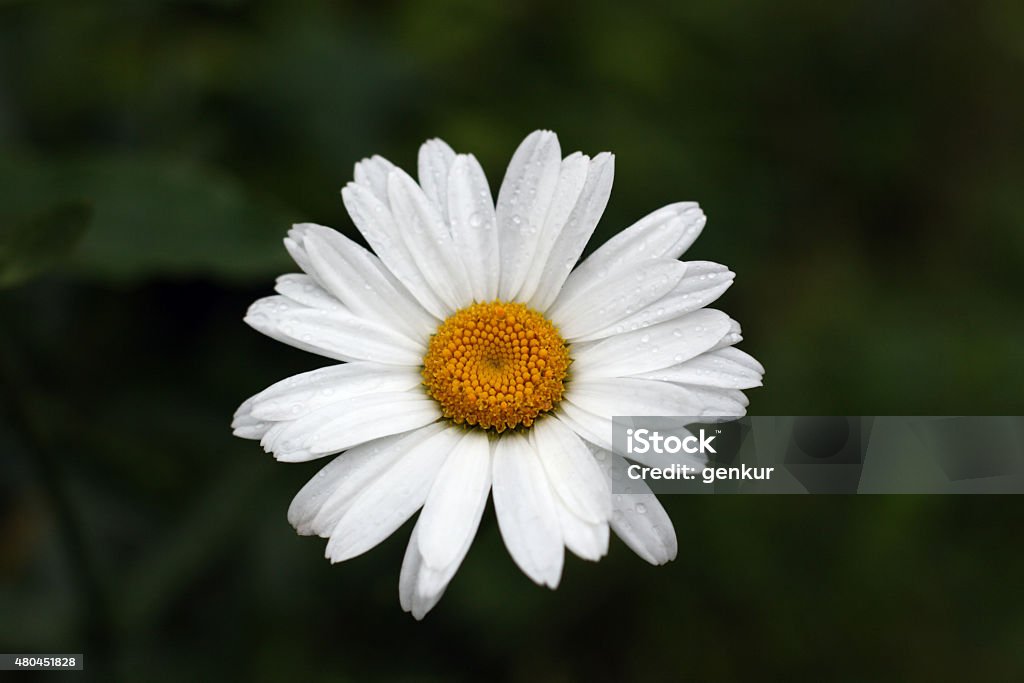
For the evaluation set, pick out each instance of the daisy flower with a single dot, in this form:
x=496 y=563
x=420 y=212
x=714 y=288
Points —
x=476 y=360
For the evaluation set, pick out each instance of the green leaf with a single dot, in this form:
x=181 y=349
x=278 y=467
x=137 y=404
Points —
x=33 y=244
x=175 y=219
x=157 y=217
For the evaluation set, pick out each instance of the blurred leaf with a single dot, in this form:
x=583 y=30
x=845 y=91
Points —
x=31 y=245
x=157 y=218
x=175 y=219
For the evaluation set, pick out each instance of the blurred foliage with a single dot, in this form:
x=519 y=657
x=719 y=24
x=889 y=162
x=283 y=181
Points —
x=861 y=165
x=31 y=244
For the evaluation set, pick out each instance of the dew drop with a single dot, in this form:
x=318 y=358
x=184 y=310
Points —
x=641 y=508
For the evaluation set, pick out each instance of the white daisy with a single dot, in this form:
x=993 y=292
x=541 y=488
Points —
x=475 y=359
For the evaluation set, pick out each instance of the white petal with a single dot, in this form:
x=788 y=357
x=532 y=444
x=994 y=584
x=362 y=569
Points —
x=583 y=539
x=372 y=174
x=434 y=161
x=618 y=396
x=592 y=428
x=651 y=348
x=616 y=298
x=664 y=234
x=456 y=501
x=373 y=218
x=732 y=337
x=419 y=586
x=313 y=289
x=474 y=226
x=349 y=423
x=319 y=505
x=640 y=520
x=428 y=239
x=716 y=402
x=388 y=501
x=727 y=368
x=371 y=416
x=293 y=243
x=412 y=564
x=361 y=282
x=527 y=511
x=572 y=176
x=580 y=226
x=572 y=471
x=335 y=333
x=306 y=291
x=246 y=426
x=702 y=283
x=522 y=208
x=302 y=394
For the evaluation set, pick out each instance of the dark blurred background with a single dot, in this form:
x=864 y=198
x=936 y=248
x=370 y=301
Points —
x=862 y=167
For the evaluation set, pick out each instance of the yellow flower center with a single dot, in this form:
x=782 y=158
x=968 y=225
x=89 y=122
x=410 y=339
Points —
x=496 y=366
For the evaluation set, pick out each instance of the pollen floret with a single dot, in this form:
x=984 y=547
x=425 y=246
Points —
x=496 y=366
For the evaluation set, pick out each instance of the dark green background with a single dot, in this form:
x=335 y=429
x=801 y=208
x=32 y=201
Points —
x=861 y=164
